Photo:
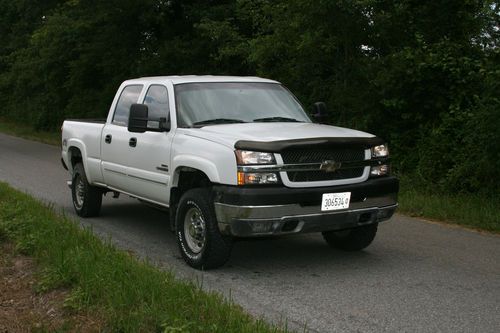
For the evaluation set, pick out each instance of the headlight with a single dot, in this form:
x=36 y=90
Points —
x=380 y=170
x=257 y=178
x=380 y=151
x=246 y=157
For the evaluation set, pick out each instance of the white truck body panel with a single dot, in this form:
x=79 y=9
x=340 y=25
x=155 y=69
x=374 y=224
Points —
x=229 y=134
x=216 y=160
x=153 y=150
x=86 y=136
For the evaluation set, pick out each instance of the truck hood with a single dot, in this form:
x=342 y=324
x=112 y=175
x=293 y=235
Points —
x=229 y=134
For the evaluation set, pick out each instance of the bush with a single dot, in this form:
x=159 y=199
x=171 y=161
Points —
x=423 y=75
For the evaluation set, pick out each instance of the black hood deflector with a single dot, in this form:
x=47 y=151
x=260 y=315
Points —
x=278 y=146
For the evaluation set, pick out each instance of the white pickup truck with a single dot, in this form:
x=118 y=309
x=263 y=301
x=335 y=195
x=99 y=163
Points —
x=230 y=157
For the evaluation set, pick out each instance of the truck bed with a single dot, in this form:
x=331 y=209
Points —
x=86 y=134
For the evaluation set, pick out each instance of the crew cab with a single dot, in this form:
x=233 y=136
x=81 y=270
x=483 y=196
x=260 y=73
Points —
x=230 y=157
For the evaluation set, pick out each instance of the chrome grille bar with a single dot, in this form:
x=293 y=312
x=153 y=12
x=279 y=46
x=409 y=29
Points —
x=309 y=166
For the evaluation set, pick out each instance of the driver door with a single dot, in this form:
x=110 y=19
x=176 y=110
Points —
x=149 y=158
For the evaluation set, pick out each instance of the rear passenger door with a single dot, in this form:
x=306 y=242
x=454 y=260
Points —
x=149 y=168
x=115 y=140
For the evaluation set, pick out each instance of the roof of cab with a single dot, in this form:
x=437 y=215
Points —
x=198 y=78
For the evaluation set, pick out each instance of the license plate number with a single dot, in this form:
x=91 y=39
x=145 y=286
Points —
x=335 y=201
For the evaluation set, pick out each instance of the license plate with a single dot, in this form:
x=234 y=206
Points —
x=335 y=201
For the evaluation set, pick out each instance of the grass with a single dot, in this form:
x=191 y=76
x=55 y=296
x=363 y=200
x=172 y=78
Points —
x=128 y=294
x=476 y=211
x=28 y=132
x=471 y=210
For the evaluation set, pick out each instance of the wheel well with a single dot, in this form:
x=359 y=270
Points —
x=187 y=178
x=75 y=155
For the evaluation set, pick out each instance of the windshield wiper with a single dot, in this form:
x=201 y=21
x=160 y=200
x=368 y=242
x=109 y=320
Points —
x=276 y=119
x=217 y=121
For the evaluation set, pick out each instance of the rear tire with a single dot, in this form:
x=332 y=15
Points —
x=87 y=199
x=200 y=242
x=353 y=239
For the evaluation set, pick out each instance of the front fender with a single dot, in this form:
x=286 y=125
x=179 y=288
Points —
x=195 y=162
x=217 y=161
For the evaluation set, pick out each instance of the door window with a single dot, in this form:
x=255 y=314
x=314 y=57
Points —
x=129 y=96
x=157 y=101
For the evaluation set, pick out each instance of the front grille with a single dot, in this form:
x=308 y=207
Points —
x=318 y=155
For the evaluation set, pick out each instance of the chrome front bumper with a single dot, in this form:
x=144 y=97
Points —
x=247 y=221
x=261 y=211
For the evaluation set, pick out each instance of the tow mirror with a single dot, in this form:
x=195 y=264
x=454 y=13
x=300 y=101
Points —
x=138 y=118
x=320 y=113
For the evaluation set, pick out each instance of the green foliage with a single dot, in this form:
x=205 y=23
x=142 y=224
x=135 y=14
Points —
x=129 y=295
x=478 y=211
x=422 y=74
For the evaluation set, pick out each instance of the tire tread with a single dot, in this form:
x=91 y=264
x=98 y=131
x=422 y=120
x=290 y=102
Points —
x=218 y=247
x=93 y=195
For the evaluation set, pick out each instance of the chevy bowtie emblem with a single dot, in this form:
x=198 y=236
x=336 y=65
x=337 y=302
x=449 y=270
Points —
x=330 y=166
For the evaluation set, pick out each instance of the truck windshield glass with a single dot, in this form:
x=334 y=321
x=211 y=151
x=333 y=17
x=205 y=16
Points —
x=201 y=104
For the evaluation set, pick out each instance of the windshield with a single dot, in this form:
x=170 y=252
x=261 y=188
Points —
x=201 y=104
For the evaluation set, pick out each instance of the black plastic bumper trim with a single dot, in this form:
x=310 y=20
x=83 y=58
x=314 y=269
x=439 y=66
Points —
x=261 y=196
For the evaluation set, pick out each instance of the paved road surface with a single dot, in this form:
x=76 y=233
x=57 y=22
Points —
x=415 y=277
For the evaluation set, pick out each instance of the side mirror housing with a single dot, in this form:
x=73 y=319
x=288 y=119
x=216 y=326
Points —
x=138 y=118
x=320 y=113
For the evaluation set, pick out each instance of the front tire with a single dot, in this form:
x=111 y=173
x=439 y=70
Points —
x=200 y=242
x=87 y=199
x=353 y=239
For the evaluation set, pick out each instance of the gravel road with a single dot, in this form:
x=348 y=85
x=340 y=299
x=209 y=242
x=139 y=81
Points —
x=416 y=276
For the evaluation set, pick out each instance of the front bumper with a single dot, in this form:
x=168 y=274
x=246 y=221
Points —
x=261 y=211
